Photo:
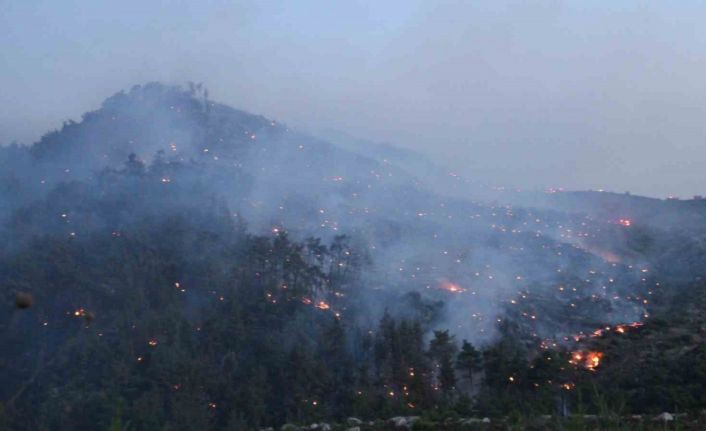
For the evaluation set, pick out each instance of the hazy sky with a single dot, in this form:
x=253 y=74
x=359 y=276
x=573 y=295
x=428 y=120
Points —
x=583 y=94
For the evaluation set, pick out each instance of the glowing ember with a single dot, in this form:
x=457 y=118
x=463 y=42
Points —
x=625 y=222
x=622 y=329
x=451 y=287
x=322 y=305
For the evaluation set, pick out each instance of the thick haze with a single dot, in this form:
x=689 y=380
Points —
x=564 y=94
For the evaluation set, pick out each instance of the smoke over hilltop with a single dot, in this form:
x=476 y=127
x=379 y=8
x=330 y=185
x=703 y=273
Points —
x=483 y=261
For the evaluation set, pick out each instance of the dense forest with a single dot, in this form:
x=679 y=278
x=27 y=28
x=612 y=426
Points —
x=224 y=287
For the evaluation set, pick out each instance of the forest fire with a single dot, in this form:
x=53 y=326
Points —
x=451 y=287
x=505 y=278
x=620 y=329
x=589 y=360
x=88 y=316
x=321 y=305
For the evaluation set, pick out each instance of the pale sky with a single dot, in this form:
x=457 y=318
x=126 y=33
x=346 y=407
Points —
x=534 y=94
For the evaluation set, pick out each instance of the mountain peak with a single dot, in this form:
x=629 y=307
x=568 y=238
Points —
x=144 y=120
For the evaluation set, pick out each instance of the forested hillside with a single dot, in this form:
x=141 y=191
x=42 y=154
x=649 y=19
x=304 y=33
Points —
x=171 y=263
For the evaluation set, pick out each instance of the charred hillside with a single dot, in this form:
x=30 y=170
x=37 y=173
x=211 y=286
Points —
x=169 y=262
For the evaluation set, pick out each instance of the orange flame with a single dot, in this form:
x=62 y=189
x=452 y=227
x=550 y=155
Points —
x=589 y=360
x=451 y=287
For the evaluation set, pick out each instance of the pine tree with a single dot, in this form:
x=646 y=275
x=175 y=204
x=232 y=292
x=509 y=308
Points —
x=469 y=360
x=442 y=350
